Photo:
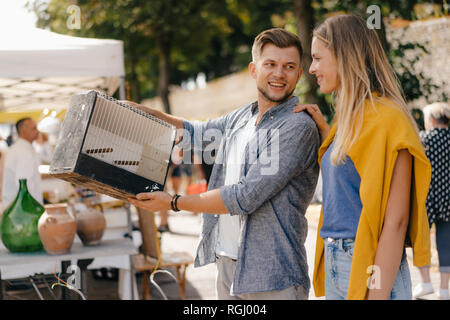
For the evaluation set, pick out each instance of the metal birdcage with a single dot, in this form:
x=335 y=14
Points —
x=112 y=148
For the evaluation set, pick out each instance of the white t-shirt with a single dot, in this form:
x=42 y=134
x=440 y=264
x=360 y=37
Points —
x=229 y=226
x=21 y=161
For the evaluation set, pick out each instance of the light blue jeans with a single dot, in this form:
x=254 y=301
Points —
x=338 y=263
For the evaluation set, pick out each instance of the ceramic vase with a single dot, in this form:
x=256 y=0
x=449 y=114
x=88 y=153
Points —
x=91 y=225
x=57 y=229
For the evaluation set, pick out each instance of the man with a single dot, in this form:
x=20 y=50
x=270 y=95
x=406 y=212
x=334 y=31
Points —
x=263 y=179
x=22 y=162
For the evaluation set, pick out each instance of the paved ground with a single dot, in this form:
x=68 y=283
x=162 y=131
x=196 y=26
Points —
x=185 y=229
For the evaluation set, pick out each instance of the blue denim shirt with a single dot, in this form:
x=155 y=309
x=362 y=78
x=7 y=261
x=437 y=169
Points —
x=278 y=179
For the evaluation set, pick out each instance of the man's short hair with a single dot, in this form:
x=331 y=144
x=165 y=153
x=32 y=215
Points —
x=280 y=38
x=19 y=124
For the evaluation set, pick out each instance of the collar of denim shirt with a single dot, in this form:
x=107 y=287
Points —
x=273 y=110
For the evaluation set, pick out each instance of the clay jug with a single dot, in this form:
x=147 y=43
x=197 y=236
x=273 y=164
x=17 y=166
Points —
x=19 y=222
x=57 y=228
x=90 y=225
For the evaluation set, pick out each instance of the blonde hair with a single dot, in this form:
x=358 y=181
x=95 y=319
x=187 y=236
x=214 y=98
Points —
x=363 y=68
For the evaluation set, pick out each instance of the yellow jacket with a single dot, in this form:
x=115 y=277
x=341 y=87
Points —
x=385 y=130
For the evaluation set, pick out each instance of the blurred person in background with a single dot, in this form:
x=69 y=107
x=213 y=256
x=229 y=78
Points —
x=22 y=162
x=9 y=140
x=43 y=148
x=436 y=140
x=177 y=169
x=3 y=150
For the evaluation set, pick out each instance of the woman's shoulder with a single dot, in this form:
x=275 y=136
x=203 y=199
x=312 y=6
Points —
x=386 y=125
x=385 y=115
x=384 y=109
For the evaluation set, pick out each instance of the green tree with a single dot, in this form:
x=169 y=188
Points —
x=311 y=12
x=168 y=41
x=304 y=13
x=158 y=31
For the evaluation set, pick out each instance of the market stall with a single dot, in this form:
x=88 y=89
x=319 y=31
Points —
x=40 y=69
x=39 y=72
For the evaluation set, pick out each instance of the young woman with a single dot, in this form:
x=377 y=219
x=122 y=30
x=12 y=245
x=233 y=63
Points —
x=374 y=169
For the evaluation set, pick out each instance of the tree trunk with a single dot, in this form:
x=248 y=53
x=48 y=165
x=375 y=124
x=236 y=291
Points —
x=383 y=38
x=164 y=71
x=135 y=89
x=305 y=24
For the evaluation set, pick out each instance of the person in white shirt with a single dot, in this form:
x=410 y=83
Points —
x=43 y=148
x=22 y=162
x=3 y=149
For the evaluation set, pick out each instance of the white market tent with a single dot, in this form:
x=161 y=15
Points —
x=41 y=70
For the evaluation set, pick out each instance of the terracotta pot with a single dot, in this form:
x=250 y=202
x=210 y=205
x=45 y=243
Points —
x=57 y=228
x=90 y=225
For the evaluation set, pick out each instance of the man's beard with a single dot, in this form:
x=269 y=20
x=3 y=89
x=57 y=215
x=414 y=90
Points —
x=280 y=100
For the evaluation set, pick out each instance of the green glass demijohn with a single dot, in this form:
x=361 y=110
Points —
x=19 y=224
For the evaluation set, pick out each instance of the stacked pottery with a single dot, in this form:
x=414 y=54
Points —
x=57 y=228
x=90 y=225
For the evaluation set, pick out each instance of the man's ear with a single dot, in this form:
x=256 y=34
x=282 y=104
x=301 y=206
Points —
x=300 y=72
x=252 y=69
